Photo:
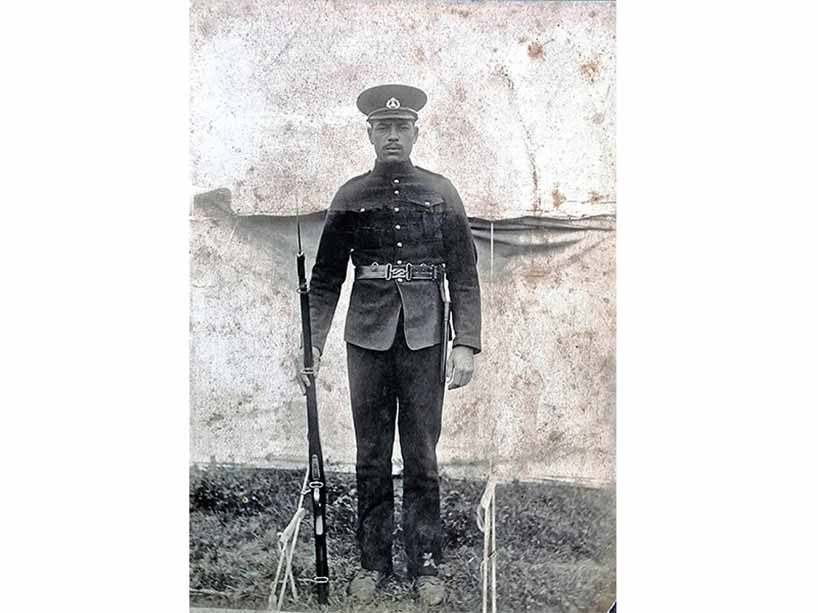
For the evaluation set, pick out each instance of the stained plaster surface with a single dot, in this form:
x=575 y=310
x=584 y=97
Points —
x=521 y=110
x=521 y=118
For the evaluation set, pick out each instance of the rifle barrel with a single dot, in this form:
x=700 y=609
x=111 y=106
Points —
x=317 y=483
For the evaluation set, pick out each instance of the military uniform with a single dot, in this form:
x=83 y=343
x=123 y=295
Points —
x=404 y=228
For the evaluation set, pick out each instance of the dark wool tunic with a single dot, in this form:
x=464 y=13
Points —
x=397 y=213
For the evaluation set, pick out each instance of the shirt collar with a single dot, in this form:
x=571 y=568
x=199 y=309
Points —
x=392 y=169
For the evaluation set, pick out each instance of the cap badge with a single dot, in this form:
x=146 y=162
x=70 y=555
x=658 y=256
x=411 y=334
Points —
x=393 y=103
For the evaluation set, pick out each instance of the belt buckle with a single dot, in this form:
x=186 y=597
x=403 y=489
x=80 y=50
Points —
x=399 y=272
x=389 y=271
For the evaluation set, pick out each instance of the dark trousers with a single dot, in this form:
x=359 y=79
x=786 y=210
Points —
x=384 y=384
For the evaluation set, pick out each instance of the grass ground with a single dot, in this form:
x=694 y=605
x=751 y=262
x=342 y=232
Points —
x=556 y=543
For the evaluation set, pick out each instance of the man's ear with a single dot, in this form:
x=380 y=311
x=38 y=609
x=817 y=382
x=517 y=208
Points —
x=369 y=132
x=415 y=138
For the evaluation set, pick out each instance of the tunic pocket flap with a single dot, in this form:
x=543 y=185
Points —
x=427 y=201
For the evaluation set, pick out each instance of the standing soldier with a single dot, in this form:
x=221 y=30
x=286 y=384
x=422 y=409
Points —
x=406 y=231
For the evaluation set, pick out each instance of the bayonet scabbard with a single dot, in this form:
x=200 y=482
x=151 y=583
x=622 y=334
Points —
x=444 y=327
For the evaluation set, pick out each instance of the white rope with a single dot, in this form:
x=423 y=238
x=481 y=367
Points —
x=486 y=513
x=287 y=540
x=486 y=523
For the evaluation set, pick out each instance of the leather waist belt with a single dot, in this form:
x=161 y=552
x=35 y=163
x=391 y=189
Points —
x=407 y=272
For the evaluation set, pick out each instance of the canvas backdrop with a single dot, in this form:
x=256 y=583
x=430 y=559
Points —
x=521 y=117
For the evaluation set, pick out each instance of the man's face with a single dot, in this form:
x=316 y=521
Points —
x=393 y=139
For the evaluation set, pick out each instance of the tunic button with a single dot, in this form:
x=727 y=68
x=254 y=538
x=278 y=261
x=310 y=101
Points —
x=397 y=192
x=400 y=244
x=396 y=181
x=397 y=208
x=400 y=262
x=362 y=210
x=397 y=226
x=400 y=280
x=427 y=203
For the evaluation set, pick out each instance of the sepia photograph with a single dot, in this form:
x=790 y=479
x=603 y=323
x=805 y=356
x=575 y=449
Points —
x=330 y=306
x=402 y=306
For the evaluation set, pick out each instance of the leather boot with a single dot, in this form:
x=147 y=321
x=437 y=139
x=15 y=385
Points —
x=431 y=590
x=364 y=583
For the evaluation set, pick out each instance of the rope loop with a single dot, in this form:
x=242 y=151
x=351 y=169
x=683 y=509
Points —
x=287 y=540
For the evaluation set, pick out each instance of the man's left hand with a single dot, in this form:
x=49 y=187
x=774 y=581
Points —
x=460 y=366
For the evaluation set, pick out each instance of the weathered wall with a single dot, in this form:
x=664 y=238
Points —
x=521 y=109
x=521 y=117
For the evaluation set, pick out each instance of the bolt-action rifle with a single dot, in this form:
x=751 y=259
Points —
x=317 y=483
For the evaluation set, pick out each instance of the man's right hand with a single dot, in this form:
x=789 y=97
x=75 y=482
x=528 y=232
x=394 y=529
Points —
x=302 y=379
